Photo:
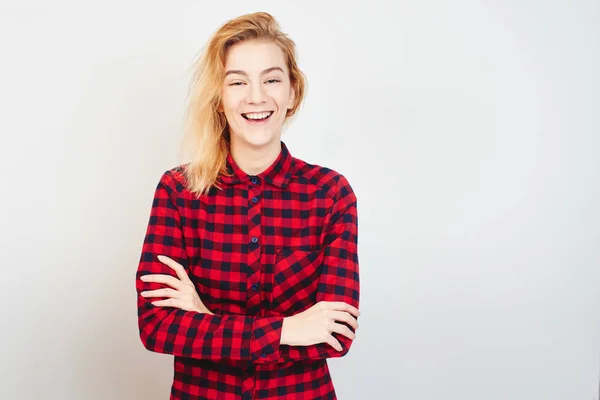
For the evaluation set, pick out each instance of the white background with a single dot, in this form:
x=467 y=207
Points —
x=468 y=129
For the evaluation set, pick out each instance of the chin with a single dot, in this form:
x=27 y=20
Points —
x=259 y=138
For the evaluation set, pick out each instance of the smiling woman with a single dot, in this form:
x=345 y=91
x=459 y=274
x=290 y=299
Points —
x=256 y=97
x=249 y=267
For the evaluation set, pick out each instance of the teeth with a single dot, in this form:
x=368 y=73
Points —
x=258 y=115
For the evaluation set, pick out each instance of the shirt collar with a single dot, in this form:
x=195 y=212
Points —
x=278 y=173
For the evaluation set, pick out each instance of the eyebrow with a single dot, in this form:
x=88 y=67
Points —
x=240 y=72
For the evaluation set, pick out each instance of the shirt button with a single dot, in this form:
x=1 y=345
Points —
x=255 y=287
x=263 y=355
x=255 y=180
x=255 y=199
x=254 y=239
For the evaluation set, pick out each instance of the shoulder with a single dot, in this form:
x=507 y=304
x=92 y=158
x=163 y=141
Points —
x=333 y=183
x=173 y=180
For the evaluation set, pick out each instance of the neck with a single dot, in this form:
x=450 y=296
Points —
x=254 y=160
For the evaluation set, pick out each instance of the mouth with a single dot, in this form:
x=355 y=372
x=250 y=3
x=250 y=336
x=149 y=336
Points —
x=257 y=118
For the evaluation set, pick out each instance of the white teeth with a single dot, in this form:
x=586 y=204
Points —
x=258 y=115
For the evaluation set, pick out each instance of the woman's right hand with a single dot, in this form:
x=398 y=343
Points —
x=316 y=324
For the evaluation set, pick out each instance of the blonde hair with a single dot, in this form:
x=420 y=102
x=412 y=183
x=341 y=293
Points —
x=206 y=132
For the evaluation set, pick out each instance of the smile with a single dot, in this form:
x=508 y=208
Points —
x=257 y=118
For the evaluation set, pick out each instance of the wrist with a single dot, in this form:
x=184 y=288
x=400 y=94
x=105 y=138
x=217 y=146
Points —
x=285 y=330
x=203 y=310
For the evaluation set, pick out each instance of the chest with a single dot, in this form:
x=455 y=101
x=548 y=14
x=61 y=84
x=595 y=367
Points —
x=254 y=250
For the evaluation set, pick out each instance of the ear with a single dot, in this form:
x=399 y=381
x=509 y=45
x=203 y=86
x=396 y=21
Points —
x=292 y=97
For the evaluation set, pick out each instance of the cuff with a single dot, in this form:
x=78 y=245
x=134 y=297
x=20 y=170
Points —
x=266 y=338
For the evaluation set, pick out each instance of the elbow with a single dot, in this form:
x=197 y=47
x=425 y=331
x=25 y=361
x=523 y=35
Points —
x=146 y=339
x=342 y=353
x=148 y=325
x=345 y=349
x=145 y=342
x=149 y=343
x=346 y=344
x=147 y=329
x=346 y=341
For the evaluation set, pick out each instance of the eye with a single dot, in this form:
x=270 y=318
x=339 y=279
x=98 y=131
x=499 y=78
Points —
x=236 y=83
x=273 y=80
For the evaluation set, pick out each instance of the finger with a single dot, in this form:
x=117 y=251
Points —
x=341 y=306
x=333 y=342
x=174 y=303
x=343 y=330
x=161 y=293
x=175 y=266
x=344 y=317
x=167 y=303
x=166 y=279
x=163 y=303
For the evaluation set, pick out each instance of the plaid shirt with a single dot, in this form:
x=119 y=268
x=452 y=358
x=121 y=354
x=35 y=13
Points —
x=262 y=248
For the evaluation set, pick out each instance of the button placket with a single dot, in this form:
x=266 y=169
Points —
x=255 y=246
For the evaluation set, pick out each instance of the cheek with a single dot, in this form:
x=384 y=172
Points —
x=286 y=97
x=231 y=99
x=230 y=115
x=230 y=108
x=282 y=99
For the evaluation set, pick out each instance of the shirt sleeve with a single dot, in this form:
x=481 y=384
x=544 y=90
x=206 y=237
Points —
x=339 y=280
x=186 y=333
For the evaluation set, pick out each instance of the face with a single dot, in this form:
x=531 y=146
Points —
x=256 y=92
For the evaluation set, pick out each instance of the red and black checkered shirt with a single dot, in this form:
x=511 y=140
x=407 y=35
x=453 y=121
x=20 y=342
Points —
x=259 y=249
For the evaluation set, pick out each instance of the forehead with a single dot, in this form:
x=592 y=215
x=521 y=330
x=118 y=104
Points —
x=254 y=56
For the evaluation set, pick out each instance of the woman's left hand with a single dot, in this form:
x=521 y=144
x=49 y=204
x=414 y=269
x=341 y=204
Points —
x=183 y=294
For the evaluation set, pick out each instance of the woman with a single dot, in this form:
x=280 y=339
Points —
x=249 y=268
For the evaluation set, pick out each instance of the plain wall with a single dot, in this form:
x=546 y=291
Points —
x=469 y=131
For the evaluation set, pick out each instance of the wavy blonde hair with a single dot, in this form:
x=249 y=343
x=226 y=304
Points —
x=206 y=136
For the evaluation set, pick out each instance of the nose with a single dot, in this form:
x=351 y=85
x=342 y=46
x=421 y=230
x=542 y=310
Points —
x=256 y=94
